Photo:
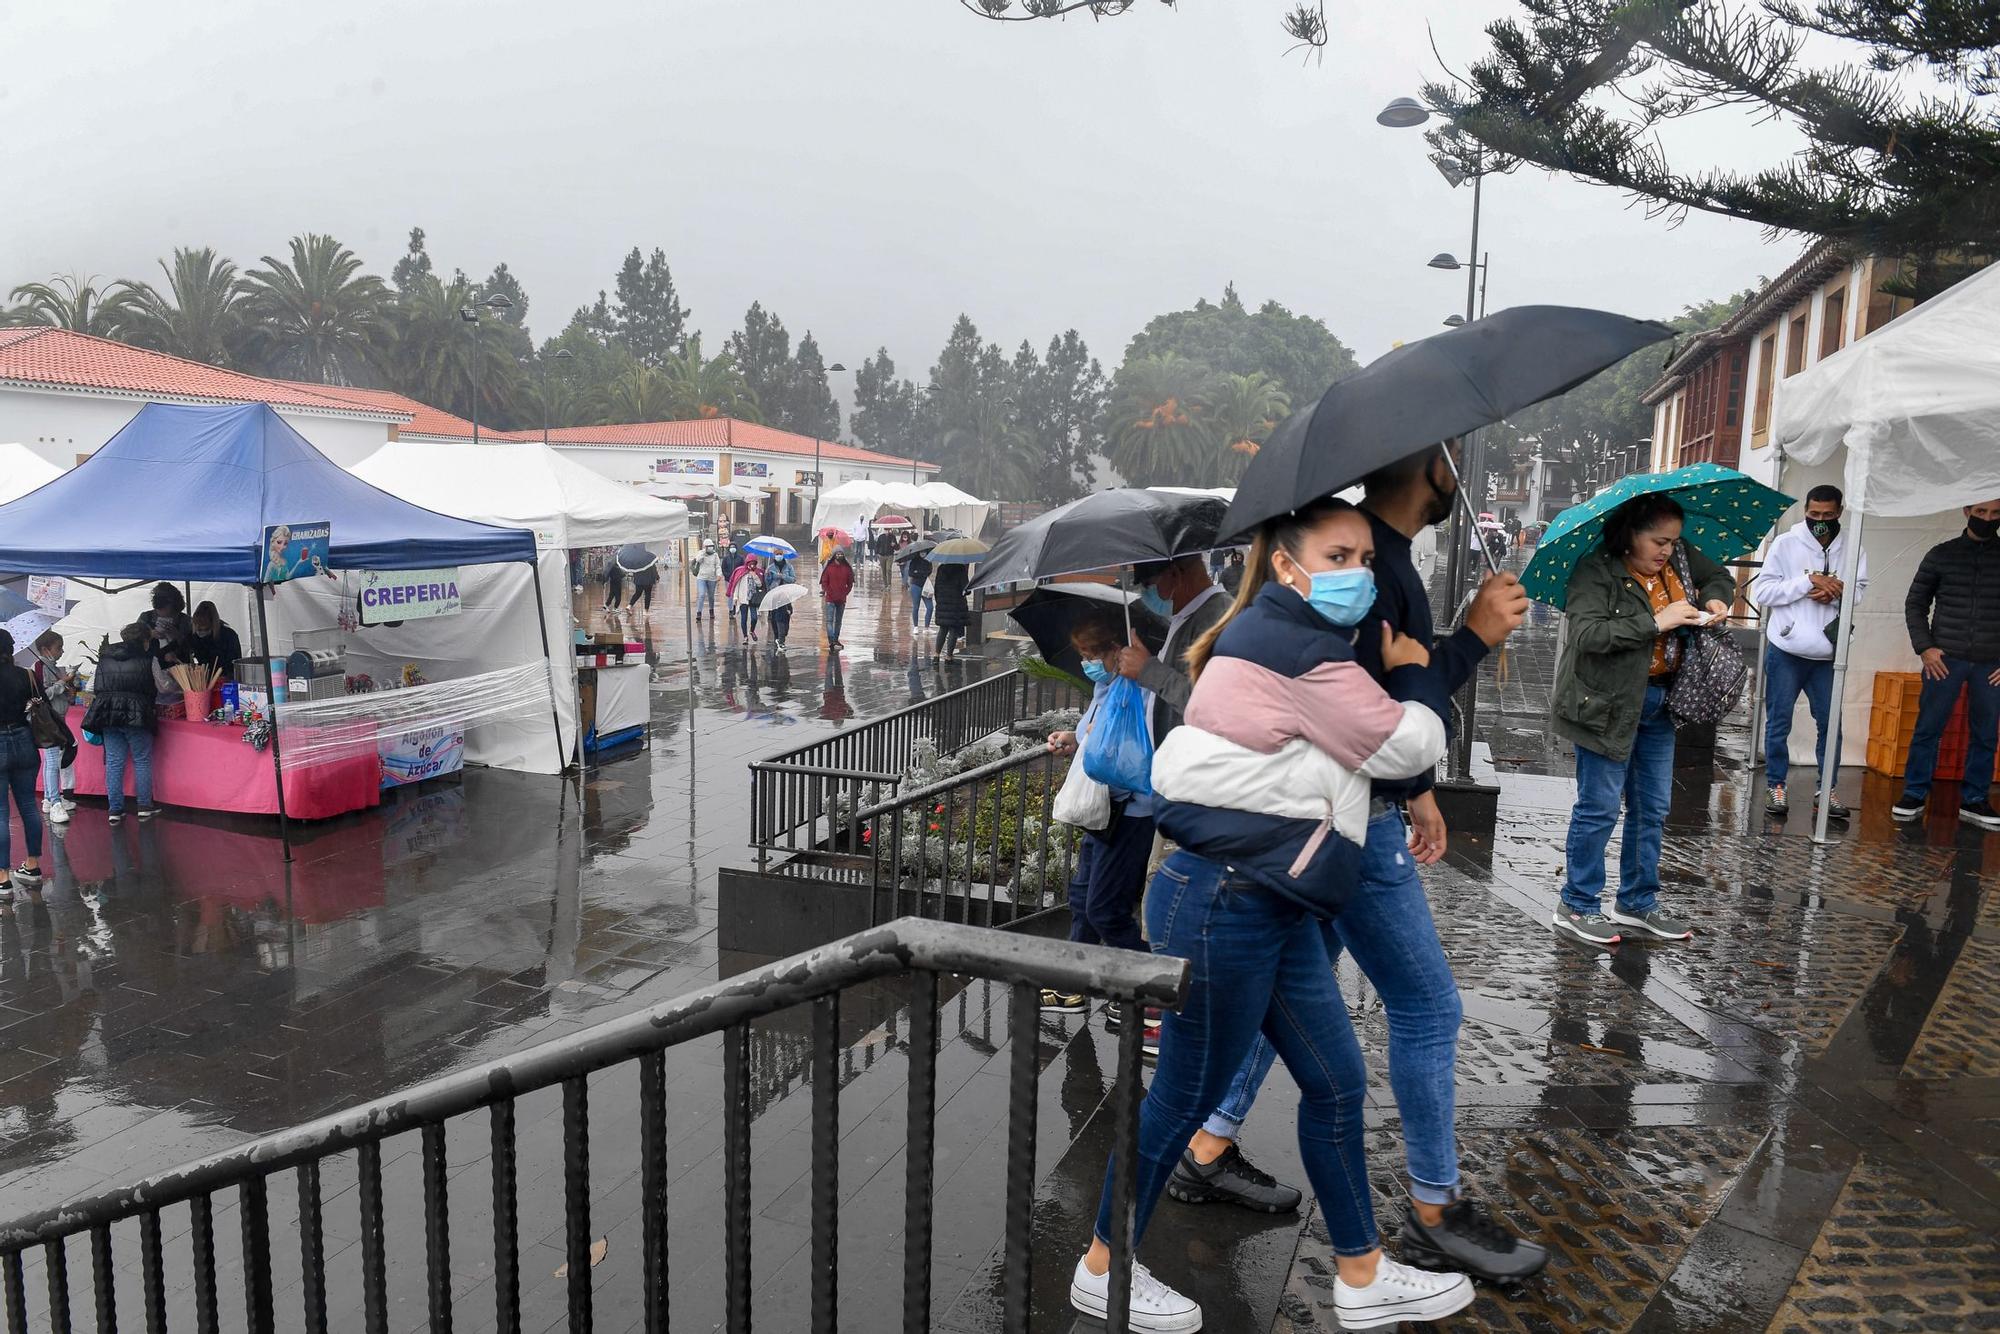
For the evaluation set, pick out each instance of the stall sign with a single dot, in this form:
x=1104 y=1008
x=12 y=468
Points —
x=408 y=595
x=292 y=550
x=684 y=467
x=49 y=593
x=427 y=752
x=806 y=477
x=744 y=469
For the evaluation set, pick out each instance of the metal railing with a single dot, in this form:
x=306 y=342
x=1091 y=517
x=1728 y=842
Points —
x=792 y=792
x=922 y=950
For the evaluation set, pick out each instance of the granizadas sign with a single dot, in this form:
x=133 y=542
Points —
x=408 y=595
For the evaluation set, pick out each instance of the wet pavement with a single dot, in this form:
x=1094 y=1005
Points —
x=1791 y=1123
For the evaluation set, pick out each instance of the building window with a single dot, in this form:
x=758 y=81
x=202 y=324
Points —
x=1732 y=409
x=1883 y=307
x=1795 y=346
x=1767 y=360
x=1833 y=323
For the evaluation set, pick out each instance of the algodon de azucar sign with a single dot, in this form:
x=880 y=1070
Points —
x=408 y=595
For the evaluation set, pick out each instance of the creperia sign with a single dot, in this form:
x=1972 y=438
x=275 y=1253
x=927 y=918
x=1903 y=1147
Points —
x=408 y=595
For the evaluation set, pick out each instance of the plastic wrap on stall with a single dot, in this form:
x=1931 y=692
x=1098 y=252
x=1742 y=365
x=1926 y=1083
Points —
x=316 y=731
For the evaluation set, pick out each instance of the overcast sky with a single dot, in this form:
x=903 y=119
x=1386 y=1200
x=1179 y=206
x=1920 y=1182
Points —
x=867 y=168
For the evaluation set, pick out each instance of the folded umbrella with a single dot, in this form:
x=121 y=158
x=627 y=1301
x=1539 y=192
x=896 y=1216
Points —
x=1728 y=515
x=959 y=551
x=1424 y=393
x=1048 y=614
x=1103 y=530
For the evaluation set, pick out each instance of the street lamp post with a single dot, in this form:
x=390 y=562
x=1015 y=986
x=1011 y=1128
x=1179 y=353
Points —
x=493 y=301
x=1408 y=113
x=562 y=354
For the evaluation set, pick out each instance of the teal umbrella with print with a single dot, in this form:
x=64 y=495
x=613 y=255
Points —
x=1728 y=515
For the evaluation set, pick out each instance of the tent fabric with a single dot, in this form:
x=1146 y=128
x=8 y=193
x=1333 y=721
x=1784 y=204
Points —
x=688 y=489
x=1917 y=403
x=522 y=484
x=185 y=492
x=850 y=504
x=22 y=470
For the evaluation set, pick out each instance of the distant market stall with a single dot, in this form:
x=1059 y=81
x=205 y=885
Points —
x=234 y=506
x=568 y=508
x=852 y=505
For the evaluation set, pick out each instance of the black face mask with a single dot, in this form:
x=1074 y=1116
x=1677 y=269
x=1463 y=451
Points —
x=1824 y=530
x=1983 y=529
x=1439 y=508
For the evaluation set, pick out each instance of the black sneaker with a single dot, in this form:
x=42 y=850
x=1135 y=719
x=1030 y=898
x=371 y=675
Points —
x=1063 y=1002
x=148 y=812
x=1774 y=800
x=1470 y=1239
x=1908 y=807
x=1114 y=1016
x=1230 y=1179
x=1836 y=809
x=1980 y=813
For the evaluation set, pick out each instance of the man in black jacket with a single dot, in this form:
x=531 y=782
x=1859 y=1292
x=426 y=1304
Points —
x=1953 y=613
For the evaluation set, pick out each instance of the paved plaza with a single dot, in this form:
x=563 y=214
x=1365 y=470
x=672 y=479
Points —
x=1792 y=1123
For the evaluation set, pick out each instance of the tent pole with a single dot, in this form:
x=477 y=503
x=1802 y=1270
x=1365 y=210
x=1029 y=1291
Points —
x=277 y=757
x=548 y=661
x=687 y=593
x=1850 y=567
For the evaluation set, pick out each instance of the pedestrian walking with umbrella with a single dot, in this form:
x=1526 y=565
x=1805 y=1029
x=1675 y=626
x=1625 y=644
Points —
x=836 y=585
x=952 y=561
x=1635 y=570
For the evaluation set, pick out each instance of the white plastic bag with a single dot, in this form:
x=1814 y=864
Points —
x=1081 y=800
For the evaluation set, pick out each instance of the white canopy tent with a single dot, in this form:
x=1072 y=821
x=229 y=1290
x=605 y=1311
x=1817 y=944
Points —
x=1916 y=408
x=851 y=504
x=23 y=470
x=688 y=489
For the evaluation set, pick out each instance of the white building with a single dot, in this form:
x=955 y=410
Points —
x=63 y=394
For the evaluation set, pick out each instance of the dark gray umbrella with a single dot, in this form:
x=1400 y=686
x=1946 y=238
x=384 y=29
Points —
x=1102 y=530
x=921 y=547
x=1048 y=613
x=1429 y=391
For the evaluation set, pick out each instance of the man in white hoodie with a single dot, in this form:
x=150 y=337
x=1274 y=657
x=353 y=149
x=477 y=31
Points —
x=1799 y=589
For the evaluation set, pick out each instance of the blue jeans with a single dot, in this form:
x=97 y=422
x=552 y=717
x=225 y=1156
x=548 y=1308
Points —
x=122 y=744
x=51 y=775
x=1644 y=784
x=781 y=624
x=746 y=617
x=1934 y=706
x=21 y=760
x=1785 y=676
x=1110 y=875
x=835 y=613
x=1387 y=927
x=923 y=602
x=704 y=597
x=1258 y=964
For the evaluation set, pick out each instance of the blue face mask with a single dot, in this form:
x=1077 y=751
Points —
x=1096 y=670
x=1150 y=597
x=1343 y=596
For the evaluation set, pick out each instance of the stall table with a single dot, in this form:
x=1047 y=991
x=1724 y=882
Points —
x=207 y=766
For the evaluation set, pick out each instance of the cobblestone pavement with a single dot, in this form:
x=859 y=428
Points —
x=1791 y=1123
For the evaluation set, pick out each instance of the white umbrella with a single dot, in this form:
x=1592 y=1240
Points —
x=784 y=595
x=26 y=629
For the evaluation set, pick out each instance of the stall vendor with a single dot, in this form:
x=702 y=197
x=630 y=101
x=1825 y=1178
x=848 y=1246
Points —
x=213 y=643
x=169 y=625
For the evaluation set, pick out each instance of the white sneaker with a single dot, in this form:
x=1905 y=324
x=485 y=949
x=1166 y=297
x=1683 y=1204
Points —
x=57 y=812
x=1156 y=1308
x=1400 y=1293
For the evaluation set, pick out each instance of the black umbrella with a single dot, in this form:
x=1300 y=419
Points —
x=1429 y=391
x=1102 y=530
x=1048 y=613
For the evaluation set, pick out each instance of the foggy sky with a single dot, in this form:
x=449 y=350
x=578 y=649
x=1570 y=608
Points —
x=867 y=168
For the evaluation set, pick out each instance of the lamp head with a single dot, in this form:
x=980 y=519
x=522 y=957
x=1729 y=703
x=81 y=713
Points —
x=1451 y=169
x=836 y=367
x=1445 y=260
x=564 y=354
x=497 y=301
x=1402 y=114
x=468 y=314
x=1453 y=321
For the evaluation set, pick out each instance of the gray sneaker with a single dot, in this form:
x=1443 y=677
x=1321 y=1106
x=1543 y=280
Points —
x=1590 y=928
x=1655 y=923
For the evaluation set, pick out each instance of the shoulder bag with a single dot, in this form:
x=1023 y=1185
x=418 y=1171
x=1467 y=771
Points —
x=1712 y=673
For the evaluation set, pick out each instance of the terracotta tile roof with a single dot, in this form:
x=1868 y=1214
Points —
x=722 y=433
x=424 y=419
x=70 y=360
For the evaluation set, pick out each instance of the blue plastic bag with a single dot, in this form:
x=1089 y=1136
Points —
x=1119 y=750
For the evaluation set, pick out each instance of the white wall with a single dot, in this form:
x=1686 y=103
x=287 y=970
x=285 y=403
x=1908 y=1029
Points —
x=61 y=425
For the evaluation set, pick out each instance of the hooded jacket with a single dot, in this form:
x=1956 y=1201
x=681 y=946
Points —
x=123 y=693
x=1271 y=770
x=836 y=580
x=1795 y=622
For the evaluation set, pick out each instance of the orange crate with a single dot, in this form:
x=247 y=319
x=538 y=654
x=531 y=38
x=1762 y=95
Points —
x=1893 y=716
x=1886 y=757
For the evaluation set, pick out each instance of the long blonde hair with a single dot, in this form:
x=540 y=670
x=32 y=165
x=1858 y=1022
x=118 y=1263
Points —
x=1285 y=533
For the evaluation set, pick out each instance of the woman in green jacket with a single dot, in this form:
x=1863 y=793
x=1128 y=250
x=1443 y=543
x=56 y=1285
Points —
x=1626 y=612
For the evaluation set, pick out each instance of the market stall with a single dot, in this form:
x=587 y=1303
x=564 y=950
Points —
x=568 y=508
x=236 y=507
x=1909 y=419
x=852 y=506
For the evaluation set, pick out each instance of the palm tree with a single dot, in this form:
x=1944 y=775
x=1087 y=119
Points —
x=318 y=317
x=636 y=394
x=204 y=319
x=1159 y=424
x=1243 y=411
x=707 y=387
x=76 y=302
x=992 y=455
x=435 y=355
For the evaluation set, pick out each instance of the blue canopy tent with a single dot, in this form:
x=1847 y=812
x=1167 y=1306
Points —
x=186 y=493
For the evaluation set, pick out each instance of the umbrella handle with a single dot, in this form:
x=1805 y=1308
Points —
x=1471 y=515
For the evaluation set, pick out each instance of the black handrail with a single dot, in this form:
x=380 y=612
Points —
x=923 y=949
